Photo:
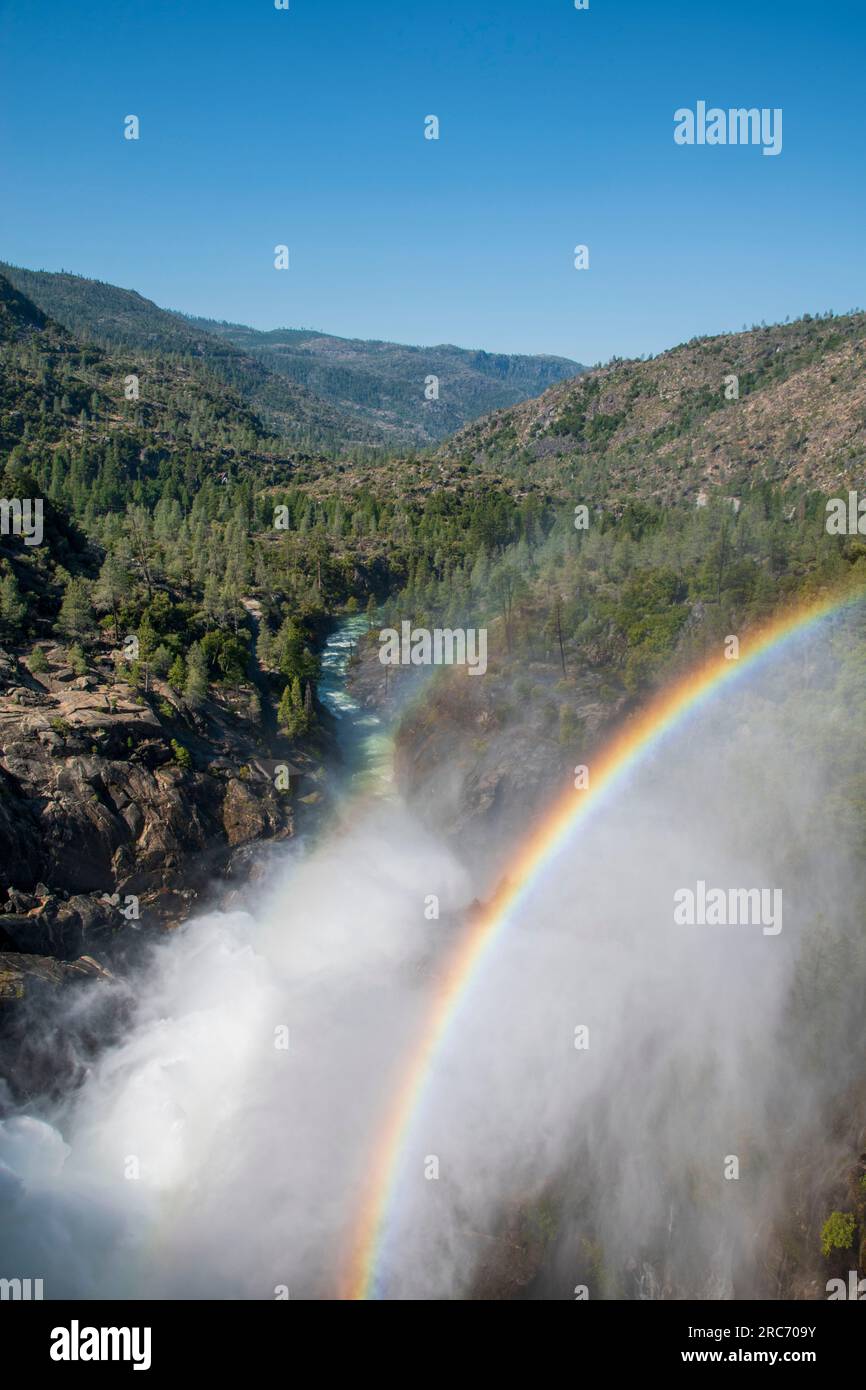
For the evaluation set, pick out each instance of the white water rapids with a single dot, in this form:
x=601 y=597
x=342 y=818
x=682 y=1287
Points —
x=201 y=1158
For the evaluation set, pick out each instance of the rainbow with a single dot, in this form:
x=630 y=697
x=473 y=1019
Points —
x=636 y=740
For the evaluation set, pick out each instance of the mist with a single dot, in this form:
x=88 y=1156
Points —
x=203 y=1158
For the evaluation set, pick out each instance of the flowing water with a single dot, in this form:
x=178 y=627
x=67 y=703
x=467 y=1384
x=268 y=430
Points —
x=365 y=743
x=217 y=1148
x=223 y=1147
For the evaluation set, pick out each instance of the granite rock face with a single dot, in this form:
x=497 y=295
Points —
x=117 y=808
x=93 y=799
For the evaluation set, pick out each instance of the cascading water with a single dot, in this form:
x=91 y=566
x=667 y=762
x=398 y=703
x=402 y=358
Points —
x=218 y=1149
x=225 y=1146
x=363 y=737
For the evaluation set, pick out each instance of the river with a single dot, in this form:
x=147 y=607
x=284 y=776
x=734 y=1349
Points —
x=344 y=1051
x=364 y=741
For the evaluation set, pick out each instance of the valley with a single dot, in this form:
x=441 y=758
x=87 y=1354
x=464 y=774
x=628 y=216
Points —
x=220 y=807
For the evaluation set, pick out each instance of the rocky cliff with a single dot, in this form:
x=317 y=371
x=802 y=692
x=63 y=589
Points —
x=119 y=808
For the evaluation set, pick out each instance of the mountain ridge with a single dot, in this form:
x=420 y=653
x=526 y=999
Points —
x=778 y=403
x=305 y=384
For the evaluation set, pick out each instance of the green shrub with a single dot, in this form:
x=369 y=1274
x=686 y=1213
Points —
x=226 y=656
x=77 y=660
x=181 y=755
x=177 y=674
x=837 y=1233
x=161 y=660
x=37 y=662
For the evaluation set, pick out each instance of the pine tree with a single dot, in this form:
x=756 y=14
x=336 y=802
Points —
x=146 y=638
x=113 y=586
x=289 y=652
x=286 y=712
x=177 y=674
x=76 y=614
x=139 y=529
x=13 y=608
x=298 y=702
x=196 y=686
x=37 y=662
x=77 y=659
x=265 y=647
x=213 y=604
x=291 y=714
x=161 y=660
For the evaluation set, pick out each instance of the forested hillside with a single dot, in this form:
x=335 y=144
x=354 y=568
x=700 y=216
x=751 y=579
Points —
x=390 y=383
x=781 y=404
x=191 y=557
x=177 y=489
x=103 y=315
x=160 y=647
x=312 y=388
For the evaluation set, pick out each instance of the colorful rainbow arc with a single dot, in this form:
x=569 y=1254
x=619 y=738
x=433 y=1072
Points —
x=639 y=736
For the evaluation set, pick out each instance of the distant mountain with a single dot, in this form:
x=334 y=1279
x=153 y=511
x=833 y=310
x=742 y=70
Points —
x=116 y=318
x=19 y=316
x=784 y=404
x=309 y=386
x=387 y=383
x=61 y=395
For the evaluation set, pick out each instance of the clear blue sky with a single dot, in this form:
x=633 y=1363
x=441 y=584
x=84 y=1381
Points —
x=305 y=127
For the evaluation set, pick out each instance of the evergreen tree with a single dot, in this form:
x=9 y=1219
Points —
x=196 y=686
x=76 y=613
x=286 y=712
x=77 y=659
x=161 y=660
x=177 y=674
x=265 y=647
x=298 y=705
x=290 y=713
x=113 y=586
x=146 y=638
x=288 y=650
x=213 y=604
x=37 y=662
x=13 y=608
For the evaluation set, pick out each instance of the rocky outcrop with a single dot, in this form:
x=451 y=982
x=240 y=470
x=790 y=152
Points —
x=22 y=975
x=100 y=794
x=108 y=795
x=45 y=924
x=46 y=1044
x=119 y=808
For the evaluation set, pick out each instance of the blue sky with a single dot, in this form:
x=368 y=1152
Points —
x=305 y=127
